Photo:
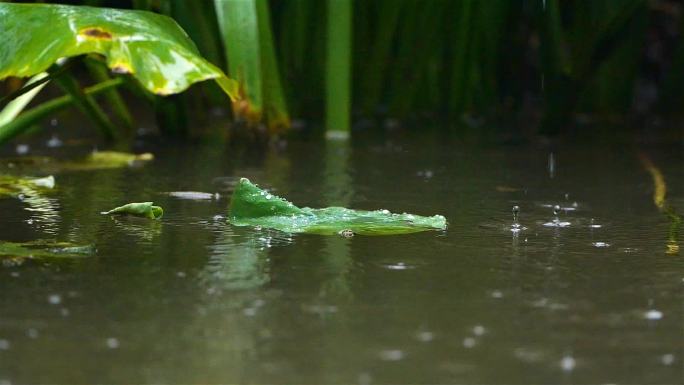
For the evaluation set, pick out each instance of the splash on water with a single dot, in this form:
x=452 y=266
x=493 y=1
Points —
x=556 y=222
x=516 y=227
x=653 y=315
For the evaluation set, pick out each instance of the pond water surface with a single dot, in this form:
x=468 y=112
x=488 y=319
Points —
x=192 y=299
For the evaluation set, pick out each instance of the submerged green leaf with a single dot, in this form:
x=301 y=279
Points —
x=143 y=209
x=252 y=206
x=151 y=47
x=42 y=249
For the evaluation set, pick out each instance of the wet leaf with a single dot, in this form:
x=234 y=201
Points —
x=142 y=209
x=42 y=249
x=99 y=160
x=150 y=47
x=13 y=186
x=252 y=206
x=251 y=56
x=113 y=159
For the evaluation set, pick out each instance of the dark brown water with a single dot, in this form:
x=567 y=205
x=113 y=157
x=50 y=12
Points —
x=191 y=299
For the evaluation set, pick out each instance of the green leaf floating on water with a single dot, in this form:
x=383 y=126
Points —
x=142 y=209
x=151 y=47
x=98 y=160
x=252 y=206
x=43 y=249
x=111 y=159
x=13 y=186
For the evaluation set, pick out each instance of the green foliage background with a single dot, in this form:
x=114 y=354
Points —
x=539 y=61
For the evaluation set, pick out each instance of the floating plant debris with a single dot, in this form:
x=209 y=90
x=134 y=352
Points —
x=18 y=252
x=142 y=209
x=14 y=186
x=252 y=206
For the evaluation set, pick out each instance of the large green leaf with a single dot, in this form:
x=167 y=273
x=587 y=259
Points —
x=151 y=47
x=252 y=206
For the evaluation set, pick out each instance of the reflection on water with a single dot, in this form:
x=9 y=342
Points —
x=239 y=259
x=44 y=212
x=192 y=299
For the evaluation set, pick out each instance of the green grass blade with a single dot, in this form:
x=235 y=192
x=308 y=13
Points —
x=248 y=41
x=277 y=116
x=32 y=116
x=375 y=67
x=113 y=97
x=338 y=69
x=239 y=30
x=13 y=108
x=88 y=106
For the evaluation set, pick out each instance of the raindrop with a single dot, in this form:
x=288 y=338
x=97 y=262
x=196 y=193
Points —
x=4 y=344
x=425 y=336
x=365 y=379
x=556 y=222
x=479 y=330
x=347 y=233
x=112 y=343
x=600 y=244
x=399 y=266
x=653 y=315
x=391 y=355
x=55 y=299
x=32 y=333
x=249 y=312
x=22 y=149
x=54 y=142
x=567 y=363
x=469 y=342
x=516 y=227
x=667 y=359
x=552 y=165
x=497 y=294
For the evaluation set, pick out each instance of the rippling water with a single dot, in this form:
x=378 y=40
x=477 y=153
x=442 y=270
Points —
x=193 y=299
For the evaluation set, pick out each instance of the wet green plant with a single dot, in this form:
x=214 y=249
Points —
x=16 y=253
x=338 y=69
x=246 y=31
x=142 y=209
x=148 y=46
x=327 y=61
x=252 y=206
